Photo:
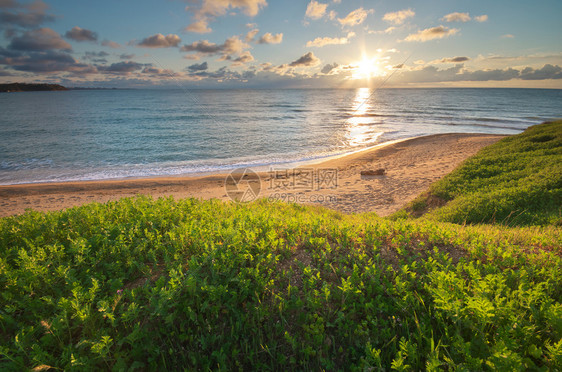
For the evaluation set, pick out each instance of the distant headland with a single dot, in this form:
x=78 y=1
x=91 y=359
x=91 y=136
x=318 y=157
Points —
x=25 y=87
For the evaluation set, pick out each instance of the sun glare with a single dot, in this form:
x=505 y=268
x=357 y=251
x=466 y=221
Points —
x=368 y=68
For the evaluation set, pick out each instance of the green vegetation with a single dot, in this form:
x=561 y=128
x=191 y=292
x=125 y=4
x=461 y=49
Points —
x=165 y=284
x=143 y=284
x=515 y=182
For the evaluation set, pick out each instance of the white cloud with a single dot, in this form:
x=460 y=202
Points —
x=432 y=33
x=323 y=41
x=399 y=17
x=355 y=17
x=482 y=18
x=244 y=57
x=388 y=30
x=316 y=10
x=507 y=36
x=209 y=9
x=251 y=35
x=199 y=27
x=268 y=38
x=456 y=17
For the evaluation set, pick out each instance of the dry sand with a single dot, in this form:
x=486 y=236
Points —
x=410 y=165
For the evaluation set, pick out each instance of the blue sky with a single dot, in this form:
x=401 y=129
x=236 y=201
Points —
x=266 y=43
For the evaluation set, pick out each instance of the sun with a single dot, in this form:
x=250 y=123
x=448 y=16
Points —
x=367 y=68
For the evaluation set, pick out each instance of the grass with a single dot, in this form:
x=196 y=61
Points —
x=166 y=284
x=516 y=182
x=143 y=284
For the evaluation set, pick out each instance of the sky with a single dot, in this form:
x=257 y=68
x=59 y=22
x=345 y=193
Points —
x=282 y=43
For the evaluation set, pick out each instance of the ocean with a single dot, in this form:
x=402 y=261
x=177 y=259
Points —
x=108 y=134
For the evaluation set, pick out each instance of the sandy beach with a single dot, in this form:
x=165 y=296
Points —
x=410 y=167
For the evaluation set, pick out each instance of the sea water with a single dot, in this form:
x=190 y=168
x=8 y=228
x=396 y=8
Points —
x=106 y=134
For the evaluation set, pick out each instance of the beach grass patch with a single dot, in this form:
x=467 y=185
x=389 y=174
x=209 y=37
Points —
x=516 y=181
x=187 y=284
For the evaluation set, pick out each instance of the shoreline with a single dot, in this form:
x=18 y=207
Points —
x=260 y=167
x=411 y=165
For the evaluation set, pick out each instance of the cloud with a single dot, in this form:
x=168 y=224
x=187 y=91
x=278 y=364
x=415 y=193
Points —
x=159 y=72
x=160 y=41
x=244 y=58
x=399 y=17
x=96 y=56
x=81 y=34
x=307 y=60
x=222 y=75
x=329 y=68
x=507 y=36
x=209 y=9
x=323 y=41
x=355 y=17
x=388 y=30
x=485 y=75
x=4 y=72
x=268 y=38
x=27 y=15
x=233 y=45
x=438 y=32
x=548 y=71
x=111 y=44
x=482 y=18
x=315 y=10
x=199 y=27
x=202 y=46
x=121 y=68
x=456 y=17
x=451 y=60
x=8 y=4
x=44 y=62
x=458 y=73
x=198 y=67
x=251 y=35
x=194 y=57
x=39 y=39
x=126 y=56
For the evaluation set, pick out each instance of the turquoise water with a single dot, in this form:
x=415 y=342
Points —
x=104 y=134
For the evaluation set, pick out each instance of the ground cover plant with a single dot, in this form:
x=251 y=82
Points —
x=516 y=182
x=143 y=284
x=163 y=284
